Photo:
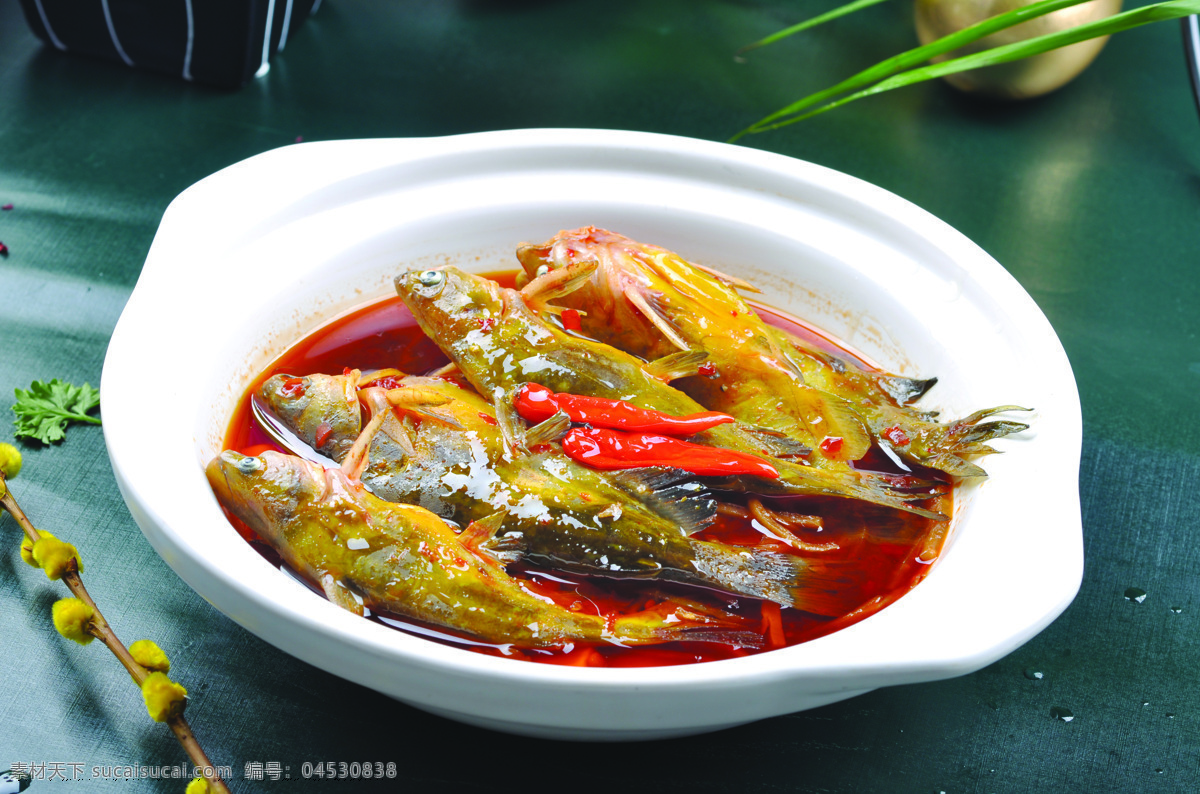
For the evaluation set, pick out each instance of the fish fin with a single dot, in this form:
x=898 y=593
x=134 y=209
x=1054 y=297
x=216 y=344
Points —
x=656 y=318
x=964 y=435
x=829 y=588
x=986 y=412
x=549 y=430
x=367 y=378
x=338 y=594
x=739 y=284
x=423 y=401
x=673 y=366
x=842 y=421
x=406 y=397
x=673 y=494
x=512 y=426
x=481 y=538
x=437 y=416
x=557 y=283
x=954 y=465
x=399 y=431
x=882 y=489
x=356 y=459
x=443 y=371
x=816 y=586
x=681 y=619
x=390 y=426
x=779 y=445
x=968 y=436
x=905 y=390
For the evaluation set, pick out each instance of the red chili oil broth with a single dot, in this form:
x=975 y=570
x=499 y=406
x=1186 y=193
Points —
x=889 y=560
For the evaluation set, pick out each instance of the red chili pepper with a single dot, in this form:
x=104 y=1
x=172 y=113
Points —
x=570 y=320
x=896 y=435
x=487 y=419
x=832 y=445
x=606 y=449
x=536 y=403
x=707 y=370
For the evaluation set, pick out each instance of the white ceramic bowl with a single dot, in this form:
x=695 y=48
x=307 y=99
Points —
x=250 y=259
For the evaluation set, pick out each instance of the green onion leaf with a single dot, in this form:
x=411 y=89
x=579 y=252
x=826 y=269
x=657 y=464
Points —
x=896 y=65
x=828 y=16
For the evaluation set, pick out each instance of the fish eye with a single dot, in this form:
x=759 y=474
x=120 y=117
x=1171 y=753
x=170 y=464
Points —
x=541 y=271
x=248 y=465
x=430 y=278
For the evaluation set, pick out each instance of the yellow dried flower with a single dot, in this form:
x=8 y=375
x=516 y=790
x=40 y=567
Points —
x=27 y=548
x=149 y=655
x=72 y=618
x=10 y=461
x=163 y=697
x=198 y=786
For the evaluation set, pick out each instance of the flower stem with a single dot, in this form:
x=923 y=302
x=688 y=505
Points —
x=101 y=630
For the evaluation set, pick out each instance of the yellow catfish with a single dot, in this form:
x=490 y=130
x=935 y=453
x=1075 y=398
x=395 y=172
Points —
x=499 y=343
x=366 y=552
x=651 y=302
x=466 y=461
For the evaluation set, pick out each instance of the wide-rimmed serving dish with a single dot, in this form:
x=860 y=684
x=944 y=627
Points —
x=248 y=260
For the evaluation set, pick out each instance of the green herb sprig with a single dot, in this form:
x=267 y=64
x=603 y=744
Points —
x=44 y=409
x=890 y=74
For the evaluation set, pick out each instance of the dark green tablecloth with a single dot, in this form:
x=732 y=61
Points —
x=1089 y=197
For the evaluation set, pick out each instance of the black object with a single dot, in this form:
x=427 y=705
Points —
x=219 y=42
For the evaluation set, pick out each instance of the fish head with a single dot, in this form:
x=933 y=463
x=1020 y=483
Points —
x=322 y=410
x=265 y=491
x=568 y=247
x=618 y=302
x=288 y=397
x=464 y=315
x=448 y=303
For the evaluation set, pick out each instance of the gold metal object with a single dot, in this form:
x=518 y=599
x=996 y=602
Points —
x=1020 y=79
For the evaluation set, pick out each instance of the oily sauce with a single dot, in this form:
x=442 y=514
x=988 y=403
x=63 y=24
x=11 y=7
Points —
x=888 y=550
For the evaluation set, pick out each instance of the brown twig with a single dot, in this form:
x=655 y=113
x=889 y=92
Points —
x=101 y=630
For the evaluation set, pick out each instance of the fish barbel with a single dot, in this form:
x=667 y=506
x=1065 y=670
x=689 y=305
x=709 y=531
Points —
x=462 y=465
x=498 y=343
x=366 y=552
x=651 y=302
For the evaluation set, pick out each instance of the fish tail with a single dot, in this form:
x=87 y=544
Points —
x=681 y=620
x=884 y=490
x=811 y=585
x=967 y=437
x=905 y=391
